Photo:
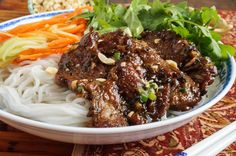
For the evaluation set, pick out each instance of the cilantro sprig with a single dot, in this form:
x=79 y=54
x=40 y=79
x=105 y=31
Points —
x=195 y=25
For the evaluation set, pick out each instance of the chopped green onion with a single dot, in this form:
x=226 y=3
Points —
x=80 y=89
x=183 y=90
x=152 y=96
x=153 y=85
x=149 y=93
x=147 y=85
x=144 y=97
x=116 y=56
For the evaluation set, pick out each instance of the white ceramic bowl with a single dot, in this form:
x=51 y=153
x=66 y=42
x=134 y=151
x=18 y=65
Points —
x=81 y=135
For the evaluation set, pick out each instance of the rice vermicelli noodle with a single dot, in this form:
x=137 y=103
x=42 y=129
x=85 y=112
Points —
x=30 y=91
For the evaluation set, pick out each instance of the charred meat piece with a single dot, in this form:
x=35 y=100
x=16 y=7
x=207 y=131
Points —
x=125 y=92
x=107 y=108
x=130 y=74
x=114 y=41
x=176 y=89
x=131 y=71
x=189 y=60
x=202 y=71
x=81 y=71
x=81 y=62
x=130 y=79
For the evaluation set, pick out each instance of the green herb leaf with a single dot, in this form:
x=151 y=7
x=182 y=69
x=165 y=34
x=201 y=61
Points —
x=216 y=36
x=133 y=23
x=131 y=16
x=85 y=15
x=119 y=10
x=209 y=16
x=191 y=24
x=227 y=50
x=116 y=56
x=182 y=31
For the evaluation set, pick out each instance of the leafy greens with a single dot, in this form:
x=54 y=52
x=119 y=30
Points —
x=195 y=25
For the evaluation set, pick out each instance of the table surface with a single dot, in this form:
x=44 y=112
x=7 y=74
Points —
x=16 y=143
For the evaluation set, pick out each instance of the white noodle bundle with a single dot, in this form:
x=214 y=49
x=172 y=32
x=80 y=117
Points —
x=30 y=91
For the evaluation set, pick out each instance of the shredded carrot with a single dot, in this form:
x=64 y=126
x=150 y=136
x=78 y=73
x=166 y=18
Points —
x=62 y=18
x=33 y=26
x=33 y=54
x=43 y=50
x=60 y=32
x=79 y=28
x=81 y=9
x=50 y=36
x=60 y=43
x=38 y=25
x=73 y=37
x=80 y=33
x=4 y=36
x=79 y=21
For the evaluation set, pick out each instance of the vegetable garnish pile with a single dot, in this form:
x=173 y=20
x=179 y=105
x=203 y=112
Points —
x=41 y=39
x=200 y=26
x=35 y=40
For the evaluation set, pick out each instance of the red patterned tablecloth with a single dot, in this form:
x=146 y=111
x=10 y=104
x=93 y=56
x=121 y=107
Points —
x=223 y=113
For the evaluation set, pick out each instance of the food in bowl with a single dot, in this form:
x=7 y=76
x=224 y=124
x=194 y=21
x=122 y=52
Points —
x=130 y=66
x=130 y=81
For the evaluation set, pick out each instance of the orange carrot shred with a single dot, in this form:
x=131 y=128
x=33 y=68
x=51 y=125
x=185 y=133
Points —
x=33 y=54
x=60 y=32
x=79 y=28
x=5 y=36
x=61 y=43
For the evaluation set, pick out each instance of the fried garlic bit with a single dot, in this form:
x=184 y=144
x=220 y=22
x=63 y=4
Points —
x=51 y=70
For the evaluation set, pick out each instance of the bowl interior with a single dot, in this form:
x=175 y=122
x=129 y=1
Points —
x=216 y=91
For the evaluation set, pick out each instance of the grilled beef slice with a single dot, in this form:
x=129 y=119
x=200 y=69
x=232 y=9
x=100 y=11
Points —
x=172 y=47
x=114 y=89
x=80 y=69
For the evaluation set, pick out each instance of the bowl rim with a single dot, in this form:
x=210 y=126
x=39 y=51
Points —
x=231 y=74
